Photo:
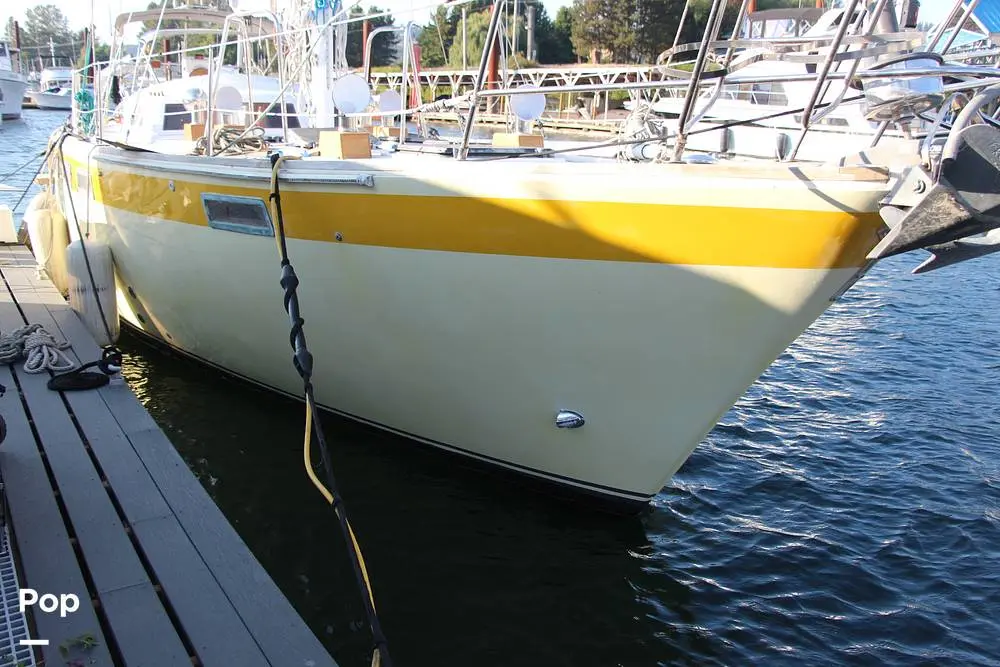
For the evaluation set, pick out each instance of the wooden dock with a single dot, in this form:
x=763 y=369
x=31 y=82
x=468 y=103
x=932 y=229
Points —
x=101 y=506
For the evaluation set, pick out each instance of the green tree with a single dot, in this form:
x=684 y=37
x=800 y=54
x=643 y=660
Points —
x=555 y=43
x=435 y=39
x=45 y=33
x=604 y=30
x=477 y=25
x=656 y=25
x=383 y=47
x=444 y=29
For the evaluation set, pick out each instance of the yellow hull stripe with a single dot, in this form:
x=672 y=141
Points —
x=636 y=232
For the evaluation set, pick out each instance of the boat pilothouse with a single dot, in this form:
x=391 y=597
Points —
x=54 y=78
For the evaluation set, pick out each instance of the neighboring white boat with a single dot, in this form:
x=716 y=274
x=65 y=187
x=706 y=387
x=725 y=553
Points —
x=55 y=89
x=55 y=99
x=772 y=109
x=576 y=319
x=53 y=78
x=12 y=83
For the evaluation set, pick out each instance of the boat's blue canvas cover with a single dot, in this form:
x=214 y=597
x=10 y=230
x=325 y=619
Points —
x=987 y=15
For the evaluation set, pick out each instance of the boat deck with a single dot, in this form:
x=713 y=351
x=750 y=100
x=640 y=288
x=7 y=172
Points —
x=100 y=505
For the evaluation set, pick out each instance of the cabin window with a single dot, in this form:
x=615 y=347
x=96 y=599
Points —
x=272 y=119
x=246 y=215
x=174 y=116
x=769 y=93
x=831 y=121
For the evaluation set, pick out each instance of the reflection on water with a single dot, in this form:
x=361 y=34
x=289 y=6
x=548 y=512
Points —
x=464 y=563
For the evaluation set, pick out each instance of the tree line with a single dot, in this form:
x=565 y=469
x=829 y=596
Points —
x=47 y=40
x=596 y=31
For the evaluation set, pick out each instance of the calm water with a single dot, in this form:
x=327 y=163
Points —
x=846 y=511
x=22 y=141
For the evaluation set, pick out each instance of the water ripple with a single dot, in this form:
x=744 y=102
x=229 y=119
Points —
x=858 y=486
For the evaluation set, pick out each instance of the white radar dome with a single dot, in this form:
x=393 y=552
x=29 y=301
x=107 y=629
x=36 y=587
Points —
x=351 y=93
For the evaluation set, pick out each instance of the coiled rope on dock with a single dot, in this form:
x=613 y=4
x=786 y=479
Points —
x=38 y=347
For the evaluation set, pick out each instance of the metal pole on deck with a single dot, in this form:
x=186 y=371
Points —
x=493 y=65
x=513 y=29
x=699 y=68
x=365 y=29
x=491 y=35
x=208 y=118
x=530 y=27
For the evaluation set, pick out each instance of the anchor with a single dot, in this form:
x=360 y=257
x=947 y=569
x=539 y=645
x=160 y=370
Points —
x=964 y=202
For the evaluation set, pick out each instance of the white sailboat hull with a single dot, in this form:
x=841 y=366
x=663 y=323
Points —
x=473 y=352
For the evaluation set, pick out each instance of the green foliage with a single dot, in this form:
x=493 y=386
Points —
x=45 y=33
x=657 y=21
x=441 y=39
x=383 y=46
x=625 y=31
x=557 y=46
x=102 y=52
x=434 y=40
x=604 y=30
x=85 y=642
x=476 y=28
x=521 y=62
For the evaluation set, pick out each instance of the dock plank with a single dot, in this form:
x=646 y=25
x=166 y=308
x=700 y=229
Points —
x=47 y=558
x=110 y=557
x=219 y=635
x=208 y=618
x=282 y=635
x=194 y=549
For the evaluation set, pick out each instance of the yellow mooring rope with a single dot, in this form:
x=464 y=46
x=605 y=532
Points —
x=307 y=460
x=303 y=364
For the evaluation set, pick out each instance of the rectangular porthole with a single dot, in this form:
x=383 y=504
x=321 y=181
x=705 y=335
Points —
x=246 y=215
